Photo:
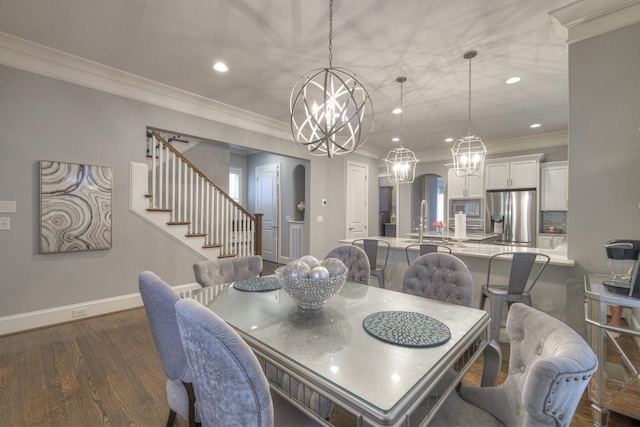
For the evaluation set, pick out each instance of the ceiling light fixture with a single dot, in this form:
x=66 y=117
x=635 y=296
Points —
x=401 y=162
x=330 y=109
x=512 y=80
x=469 y=152
x=220 y=66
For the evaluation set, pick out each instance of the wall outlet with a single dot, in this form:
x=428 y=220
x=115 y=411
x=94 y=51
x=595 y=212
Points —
x=320 y=219
x=5 y=223
x=79 y=312
x=7 y=206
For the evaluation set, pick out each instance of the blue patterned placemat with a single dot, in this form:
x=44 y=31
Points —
x=258 y=284
x=406 y=328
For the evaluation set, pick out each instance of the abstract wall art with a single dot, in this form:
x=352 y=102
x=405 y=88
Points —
x=75 y=207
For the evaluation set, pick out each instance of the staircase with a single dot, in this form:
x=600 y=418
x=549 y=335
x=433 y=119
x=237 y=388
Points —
x=174 y=196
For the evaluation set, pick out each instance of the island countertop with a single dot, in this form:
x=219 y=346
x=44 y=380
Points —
x=479 y=250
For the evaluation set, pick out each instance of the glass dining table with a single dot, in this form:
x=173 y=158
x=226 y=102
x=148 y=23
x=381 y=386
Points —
x=327 y=364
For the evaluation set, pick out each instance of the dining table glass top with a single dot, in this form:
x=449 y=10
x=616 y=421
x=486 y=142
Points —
x=332 y=344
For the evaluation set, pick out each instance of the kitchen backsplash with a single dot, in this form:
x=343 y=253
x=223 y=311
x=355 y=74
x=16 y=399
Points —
x=553 y=222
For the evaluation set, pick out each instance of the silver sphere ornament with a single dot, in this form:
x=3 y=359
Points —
x=310 y=260
x=319 y=273
x=296 y=269
x=334 y=266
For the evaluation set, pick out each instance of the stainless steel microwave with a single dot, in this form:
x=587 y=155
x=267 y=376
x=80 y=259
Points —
x=471 y=207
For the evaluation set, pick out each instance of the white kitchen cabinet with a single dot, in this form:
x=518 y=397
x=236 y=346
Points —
x=512 y=173
x=549 y=241
x=463 y=187
x=554 y=179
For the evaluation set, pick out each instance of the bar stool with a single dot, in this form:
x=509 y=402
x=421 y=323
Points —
x=521 y=281
x=425 y=248
x=370 y=247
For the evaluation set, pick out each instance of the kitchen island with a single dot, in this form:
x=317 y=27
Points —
x=555 y=293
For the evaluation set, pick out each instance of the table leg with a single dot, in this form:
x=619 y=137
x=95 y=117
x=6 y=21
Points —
x=600 y=416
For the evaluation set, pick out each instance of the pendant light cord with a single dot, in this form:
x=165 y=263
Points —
x=469 y=130
x=401 y=110
x=330 y=33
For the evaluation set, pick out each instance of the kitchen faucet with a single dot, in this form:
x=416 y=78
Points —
x=424 y=219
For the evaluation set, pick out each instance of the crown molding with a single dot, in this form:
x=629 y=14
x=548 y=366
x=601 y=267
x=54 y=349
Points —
x=584 y=19
x=28 y=56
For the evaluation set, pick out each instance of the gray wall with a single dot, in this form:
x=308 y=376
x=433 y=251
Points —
x=604 y=144
x=46 y=119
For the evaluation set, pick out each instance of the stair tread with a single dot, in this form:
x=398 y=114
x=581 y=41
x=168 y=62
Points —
x=159 y=209
x=215 y=245
x=195 y=234
x=227 y=256
x=178 y=222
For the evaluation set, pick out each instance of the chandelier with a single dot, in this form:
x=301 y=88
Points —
x=401 y=162
x=469 y=152
x=330 y=109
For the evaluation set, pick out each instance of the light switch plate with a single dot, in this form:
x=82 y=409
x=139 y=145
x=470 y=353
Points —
x=5 y=223
x=7 y=206
x=320 y=219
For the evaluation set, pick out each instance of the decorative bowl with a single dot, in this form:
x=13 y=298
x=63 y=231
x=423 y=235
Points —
x=309 y=293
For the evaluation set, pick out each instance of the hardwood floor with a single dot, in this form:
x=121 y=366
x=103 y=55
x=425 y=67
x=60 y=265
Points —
x=104 y=371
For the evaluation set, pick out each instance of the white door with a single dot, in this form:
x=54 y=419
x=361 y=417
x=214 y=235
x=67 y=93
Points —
x=357 y=200
x=267 y=203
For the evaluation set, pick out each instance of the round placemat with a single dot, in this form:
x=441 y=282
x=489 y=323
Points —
x=258 y=284
x=406 y=328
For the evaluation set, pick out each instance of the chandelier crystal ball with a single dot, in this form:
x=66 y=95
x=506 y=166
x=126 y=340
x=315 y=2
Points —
x=331 y=112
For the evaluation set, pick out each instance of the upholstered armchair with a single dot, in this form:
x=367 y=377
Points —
x=159 y=301
x=356 y=261
x=226 y=270
x=229 y=383
x=439 y=276
x=550 y=366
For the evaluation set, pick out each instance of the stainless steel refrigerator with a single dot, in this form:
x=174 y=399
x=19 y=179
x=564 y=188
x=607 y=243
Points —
x=512 y=215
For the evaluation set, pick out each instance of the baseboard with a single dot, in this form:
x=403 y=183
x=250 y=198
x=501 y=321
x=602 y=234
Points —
x=53 y=316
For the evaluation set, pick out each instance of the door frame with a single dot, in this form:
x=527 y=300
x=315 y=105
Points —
x=277 y=234
x=365 y=166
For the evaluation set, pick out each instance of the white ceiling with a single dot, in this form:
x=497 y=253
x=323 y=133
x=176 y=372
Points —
x=269 y=44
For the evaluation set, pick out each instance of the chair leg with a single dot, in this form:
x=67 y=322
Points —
x=483 y=301
x=381 y=279
x=192 y=404
x=496 y=317
x=172 y=418
x=492 y=363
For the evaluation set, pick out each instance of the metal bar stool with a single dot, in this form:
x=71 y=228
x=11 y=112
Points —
x=521 y=281
x=425 y=248
x=370 y=247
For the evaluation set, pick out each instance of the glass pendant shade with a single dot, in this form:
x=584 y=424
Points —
x=469 y=152
x=401 y=165
x=331 y=112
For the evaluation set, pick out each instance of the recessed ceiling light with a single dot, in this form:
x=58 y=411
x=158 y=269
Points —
x=536 y=125
x=448 y=140
x=395 y=139
x=397 y=110
x=512 y=80
x=220 y=66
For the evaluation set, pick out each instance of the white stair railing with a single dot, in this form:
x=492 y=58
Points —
x=192 y=199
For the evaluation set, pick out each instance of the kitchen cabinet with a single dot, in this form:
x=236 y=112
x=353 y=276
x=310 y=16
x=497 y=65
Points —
x=547 y=241
x=554 y=179
x=462 y=187
x=512 y=173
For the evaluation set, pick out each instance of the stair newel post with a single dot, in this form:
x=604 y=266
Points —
x=174 y=202
x=258 y=233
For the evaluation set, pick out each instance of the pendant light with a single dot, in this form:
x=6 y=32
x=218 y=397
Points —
x=469 y=152
x=401 y=162
x=331 y=112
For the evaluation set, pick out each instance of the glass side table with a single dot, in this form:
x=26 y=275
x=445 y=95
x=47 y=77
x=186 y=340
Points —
x=616 y=384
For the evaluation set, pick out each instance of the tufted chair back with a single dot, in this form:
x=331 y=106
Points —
x=226 y=270
x=356 y=261
x=439 y=276
x=550 y=366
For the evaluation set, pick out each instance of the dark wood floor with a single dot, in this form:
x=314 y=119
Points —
x=104 y=371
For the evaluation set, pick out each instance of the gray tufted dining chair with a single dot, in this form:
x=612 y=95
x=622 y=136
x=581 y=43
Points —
x=229 y=383
x=356 y=261
x=439 y=276
x=226 y=270
x=159 y=301
x=550 y=366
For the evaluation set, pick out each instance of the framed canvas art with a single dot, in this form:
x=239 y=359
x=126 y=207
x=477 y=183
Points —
x=75 y=207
